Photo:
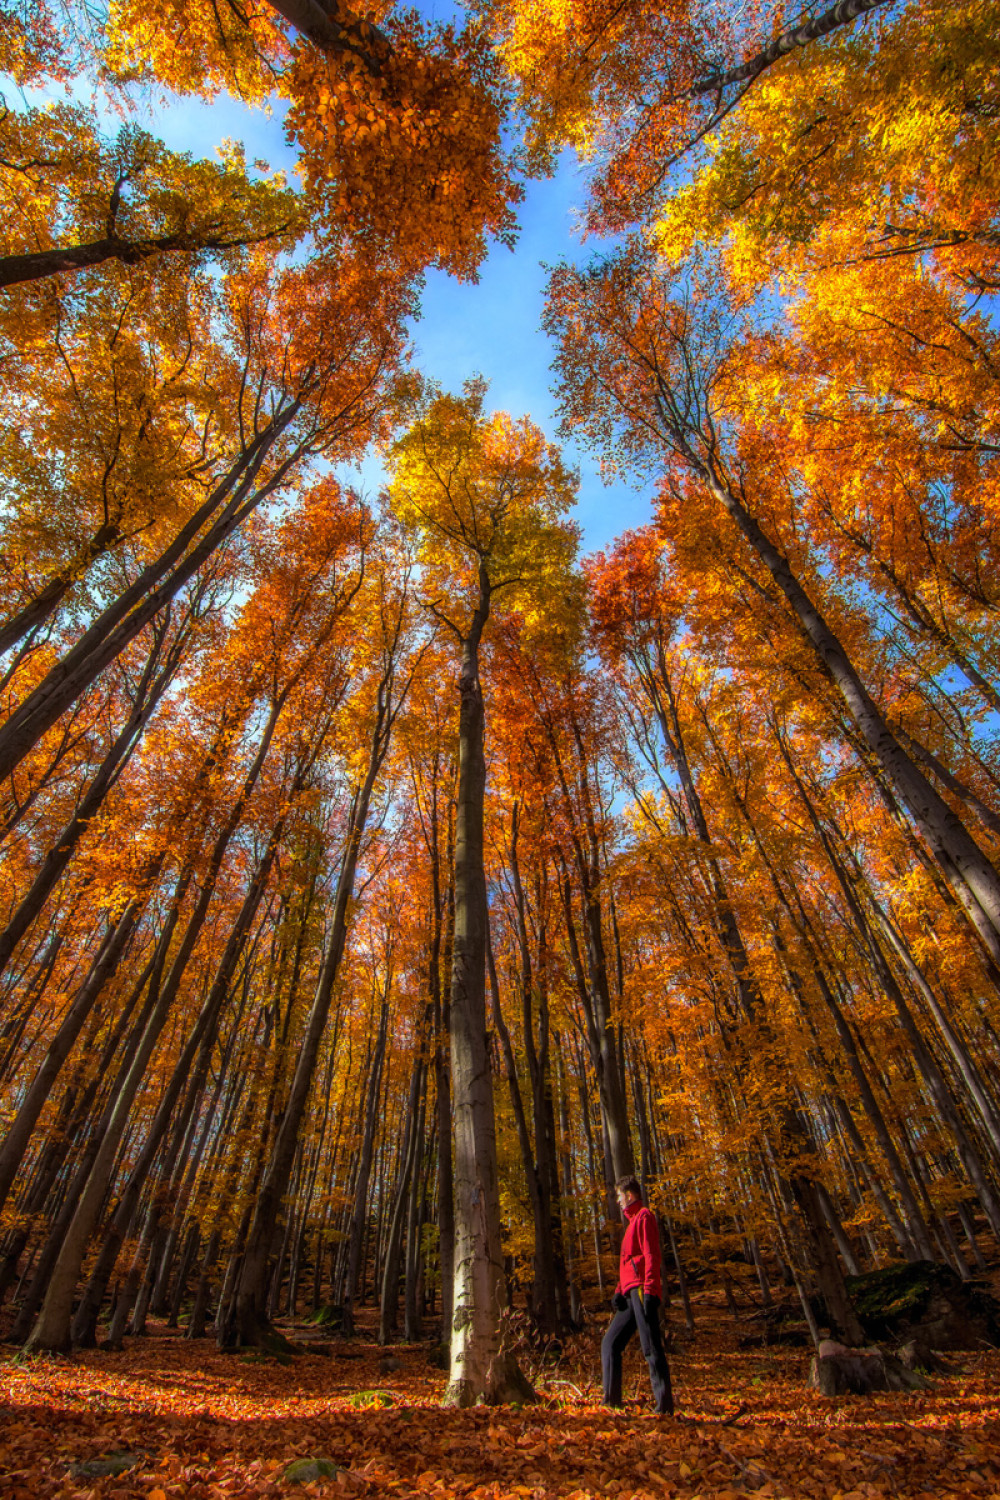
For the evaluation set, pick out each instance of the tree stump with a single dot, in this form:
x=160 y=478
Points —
x=839 y=1371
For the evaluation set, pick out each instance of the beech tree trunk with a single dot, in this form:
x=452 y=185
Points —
x=481 y=1370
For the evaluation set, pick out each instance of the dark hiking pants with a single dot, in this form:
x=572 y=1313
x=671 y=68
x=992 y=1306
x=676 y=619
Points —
x=620 y=1330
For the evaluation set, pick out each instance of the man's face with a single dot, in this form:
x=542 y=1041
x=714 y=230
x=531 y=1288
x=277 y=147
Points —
x=623 y=1198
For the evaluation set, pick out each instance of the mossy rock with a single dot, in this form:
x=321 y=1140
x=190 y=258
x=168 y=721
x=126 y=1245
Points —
x=305 y=1470
x=329 y=1316
x=108 y=1464
x=373 y=1398
x=928 y=1299
x=276 y=1343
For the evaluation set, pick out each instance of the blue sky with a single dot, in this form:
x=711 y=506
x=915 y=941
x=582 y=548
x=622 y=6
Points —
x=490 y=328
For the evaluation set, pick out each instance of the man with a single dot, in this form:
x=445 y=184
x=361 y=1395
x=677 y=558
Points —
x=637 y=1302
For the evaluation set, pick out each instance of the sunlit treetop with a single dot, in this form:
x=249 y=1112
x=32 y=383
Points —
x=633 y=86
x=787 y=118
x=486 y=494
x=399 y=123
x=35 y=43
x=879 y=143
x=629 y=590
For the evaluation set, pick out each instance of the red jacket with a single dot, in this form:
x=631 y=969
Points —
x=640 y=1257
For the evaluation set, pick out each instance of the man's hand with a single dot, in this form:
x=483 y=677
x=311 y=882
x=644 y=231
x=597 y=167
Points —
x=619 y=1302
x=650 y=1304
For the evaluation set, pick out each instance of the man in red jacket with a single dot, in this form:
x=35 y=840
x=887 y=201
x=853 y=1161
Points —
x=637 y=1302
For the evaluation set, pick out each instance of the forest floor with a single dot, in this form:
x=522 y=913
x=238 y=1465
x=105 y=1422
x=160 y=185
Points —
x=201 y=1425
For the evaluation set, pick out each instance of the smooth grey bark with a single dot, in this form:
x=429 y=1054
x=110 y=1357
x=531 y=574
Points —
x=965 y=1064
x=480 y=1369
x=33 y=614
x=414 y=1220
x=857 y=893
x=949 y=780
x=593 y=983
x=601 y=1042
x=438 y=964
x=534 y=988
x=571 y=1240
x=923 y=1057
x=389 y=1292
x=967 y=869
x=106 y=962
x=674 y=412
x=119 y=1047
x=816 y=1221
x=442 y=1082
x=786 y=42
x=199 y=1045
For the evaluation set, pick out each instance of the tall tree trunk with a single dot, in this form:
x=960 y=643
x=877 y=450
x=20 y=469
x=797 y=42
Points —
x=152 y=685
x=245 y=1321
x=360 y=1213
x=389 y=1293
x=967 y=869
x=53 y=1329
x=480 y=1369
x=108 y=958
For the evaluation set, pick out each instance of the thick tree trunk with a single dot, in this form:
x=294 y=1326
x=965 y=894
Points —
x=15 y=270
x=481 y=1370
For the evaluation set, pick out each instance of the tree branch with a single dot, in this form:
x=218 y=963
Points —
x=841 y=14
x=354 y=37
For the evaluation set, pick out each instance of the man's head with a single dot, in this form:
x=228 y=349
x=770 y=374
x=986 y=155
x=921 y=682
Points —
x=628 y=1190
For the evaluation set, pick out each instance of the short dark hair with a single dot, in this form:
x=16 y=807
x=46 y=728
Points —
x=628 y=1184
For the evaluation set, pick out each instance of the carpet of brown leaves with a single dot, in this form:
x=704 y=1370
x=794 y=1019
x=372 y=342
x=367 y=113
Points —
x=206 y=1426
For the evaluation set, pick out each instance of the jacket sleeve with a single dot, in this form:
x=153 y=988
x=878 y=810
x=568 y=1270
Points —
x=650 y=1236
